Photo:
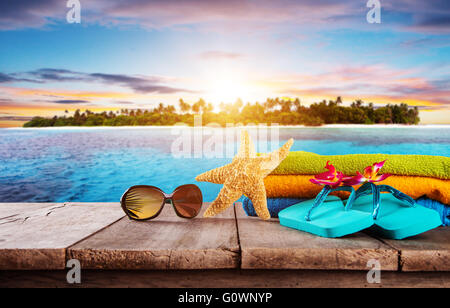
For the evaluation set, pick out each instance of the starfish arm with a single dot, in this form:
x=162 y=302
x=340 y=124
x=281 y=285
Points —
x=257 y=193
x=216 y=176
x=247 y=149
x=272 y=161
x=226 y=197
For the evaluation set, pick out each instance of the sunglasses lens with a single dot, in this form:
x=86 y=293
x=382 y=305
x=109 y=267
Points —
x=188 y=200
x=143 y=202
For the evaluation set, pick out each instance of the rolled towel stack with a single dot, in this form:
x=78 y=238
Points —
x=419 y=176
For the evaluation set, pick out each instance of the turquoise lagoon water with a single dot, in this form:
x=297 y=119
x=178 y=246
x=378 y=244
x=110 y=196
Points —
x=99 y=164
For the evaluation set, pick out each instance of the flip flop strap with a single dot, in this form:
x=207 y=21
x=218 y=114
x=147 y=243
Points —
x=370 y=188
x=397 y=194
x=322 y=196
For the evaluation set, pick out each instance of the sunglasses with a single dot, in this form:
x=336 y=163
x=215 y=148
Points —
x=144 y=202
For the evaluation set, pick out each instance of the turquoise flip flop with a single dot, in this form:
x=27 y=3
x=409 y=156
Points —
x=326 y=216
x=395 y=214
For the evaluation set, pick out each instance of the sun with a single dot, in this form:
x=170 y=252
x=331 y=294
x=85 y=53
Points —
x=227 y=86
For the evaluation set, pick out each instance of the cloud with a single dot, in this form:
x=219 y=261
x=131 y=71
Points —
x=51 y=74
x=5 y=78
x=6 y=102
x=220 y=55
x=426 y=16
x=15 y=118
x=231 y=15
x=17 y=14
x=123 y=103
x=380 y=82
x=11 y=78
x=435 y=24
x=70 y=101
x=140 y=84
x=428 y=42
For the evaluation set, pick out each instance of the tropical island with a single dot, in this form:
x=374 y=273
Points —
x=280 y=111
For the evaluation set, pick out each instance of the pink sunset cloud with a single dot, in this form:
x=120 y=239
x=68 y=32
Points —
x=426 y=16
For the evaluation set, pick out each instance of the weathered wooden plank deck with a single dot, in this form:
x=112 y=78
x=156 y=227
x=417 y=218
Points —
x=268 y=245
x=225 y=278
x=43 y=236
x=429 y=251
x=36 y=236
x=166 y=242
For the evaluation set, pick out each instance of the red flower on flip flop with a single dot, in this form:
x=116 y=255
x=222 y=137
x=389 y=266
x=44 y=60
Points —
x=370 y=175
x=332 y=177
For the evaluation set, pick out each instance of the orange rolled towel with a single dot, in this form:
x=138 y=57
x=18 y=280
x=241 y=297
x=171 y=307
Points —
x=299 y=186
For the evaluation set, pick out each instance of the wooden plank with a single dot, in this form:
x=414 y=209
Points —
x=10 y=210
x=429 y=251
x=269 y=245
x=166 y=242
x=37 y=238
x=226 y=278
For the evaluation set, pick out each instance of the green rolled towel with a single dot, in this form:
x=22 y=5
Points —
x=415 y=165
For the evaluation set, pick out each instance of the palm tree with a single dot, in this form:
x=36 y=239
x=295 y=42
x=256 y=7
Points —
x=184 y=107
x=196 y=108
x=269 y=104
x=208 y=108
x=202 y=104
x=160 y=108
x=170 y=109
x=286 y=105
x=297 y=104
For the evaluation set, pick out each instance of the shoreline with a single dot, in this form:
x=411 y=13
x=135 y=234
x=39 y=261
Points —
x=242 y=126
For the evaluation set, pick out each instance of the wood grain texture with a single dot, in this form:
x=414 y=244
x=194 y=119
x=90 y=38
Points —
x=166 y=242
x=10 y=211
x=429 y=251
x=45 y=235
x=269 y=245
x=35 y=236
x=226 y=278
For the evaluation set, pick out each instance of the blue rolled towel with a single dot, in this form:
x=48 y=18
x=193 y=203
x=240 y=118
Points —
x=442 y=209
x=275 y=205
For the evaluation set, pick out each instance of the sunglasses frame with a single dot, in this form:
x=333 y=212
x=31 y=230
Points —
x=167 y=197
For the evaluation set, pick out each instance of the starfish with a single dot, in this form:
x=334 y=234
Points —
x=244 y=175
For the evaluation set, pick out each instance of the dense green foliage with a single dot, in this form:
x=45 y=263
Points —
x=283 y=112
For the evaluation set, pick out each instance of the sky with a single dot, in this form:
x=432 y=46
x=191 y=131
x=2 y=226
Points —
x=136 y=54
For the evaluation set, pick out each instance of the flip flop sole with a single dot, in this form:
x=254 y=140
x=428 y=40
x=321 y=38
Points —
x=327 y=220
x=396 y=219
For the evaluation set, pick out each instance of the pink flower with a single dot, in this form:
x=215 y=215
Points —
x=370 y=175
x=332 y=177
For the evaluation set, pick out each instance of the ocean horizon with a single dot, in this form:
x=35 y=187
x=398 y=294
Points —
x=241 y=126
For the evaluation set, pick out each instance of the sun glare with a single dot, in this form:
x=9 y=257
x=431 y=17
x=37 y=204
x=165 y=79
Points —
x=227 y=86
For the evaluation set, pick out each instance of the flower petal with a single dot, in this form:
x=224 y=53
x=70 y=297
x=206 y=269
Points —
x=325 y=176
x=338 y=180
x=331 y=168
x=368 y=172
x=378 y=166
x=320 y=182
x=380 y=178
x=332 y=177
x=355 y=180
